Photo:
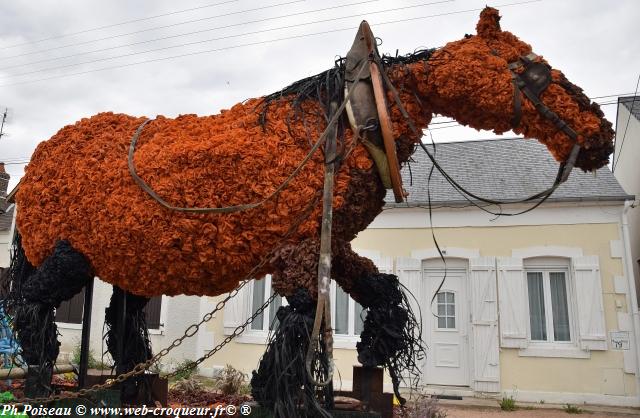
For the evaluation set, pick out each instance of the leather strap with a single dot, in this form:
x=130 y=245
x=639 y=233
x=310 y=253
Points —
x=532 y=92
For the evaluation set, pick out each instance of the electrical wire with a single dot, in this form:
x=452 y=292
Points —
x=156 y=28
x=192 y=33
x=258 y=43
x=227 y=37
x=117 y=24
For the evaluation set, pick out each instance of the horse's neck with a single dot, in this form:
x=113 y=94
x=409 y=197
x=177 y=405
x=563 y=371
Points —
x=415 y=94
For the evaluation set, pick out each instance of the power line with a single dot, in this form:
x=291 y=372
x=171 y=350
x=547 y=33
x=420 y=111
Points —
x=196 y=32
x=118 y=24
x=613 y=168
x=610 y=95
x=230 y=36
x=256 y=43
x=156 y=28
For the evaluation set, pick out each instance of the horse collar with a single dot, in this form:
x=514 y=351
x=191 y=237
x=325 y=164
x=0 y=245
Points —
x=367 y=109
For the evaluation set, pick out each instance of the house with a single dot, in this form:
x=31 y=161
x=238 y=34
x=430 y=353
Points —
x=535 y=306
x=6 y=217
x=625 y=168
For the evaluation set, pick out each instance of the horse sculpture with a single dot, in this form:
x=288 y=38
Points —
x=82 y=214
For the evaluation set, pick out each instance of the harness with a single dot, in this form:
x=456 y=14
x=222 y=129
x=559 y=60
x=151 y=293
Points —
x=368 y=111
x=533 y=81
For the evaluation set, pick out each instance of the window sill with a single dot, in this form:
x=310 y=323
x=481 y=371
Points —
x=251 y=337
x=157 y=331
x=68 y=325
x=554 y=351
x=346 y=342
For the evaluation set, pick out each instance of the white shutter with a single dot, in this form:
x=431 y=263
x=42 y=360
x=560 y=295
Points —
x=236 y=310
x=591 y=325
x=409 y=272
x=484 y=325
x=384 y=264
x=512 y=303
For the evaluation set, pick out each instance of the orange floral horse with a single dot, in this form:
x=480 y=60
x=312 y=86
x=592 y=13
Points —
x=78 y=200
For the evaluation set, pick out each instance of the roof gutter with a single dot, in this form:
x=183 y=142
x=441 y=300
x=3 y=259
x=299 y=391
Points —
x=465 y=203
x=632 y=296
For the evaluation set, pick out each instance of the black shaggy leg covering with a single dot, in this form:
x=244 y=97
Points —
x=32 y=294
x=137 y=347
x=281 y=382
x=392 y=336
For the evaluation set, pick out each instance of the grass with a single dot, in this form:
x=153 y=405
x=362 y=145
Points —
x=188 y=369
x=508 y=404
x=92 y=362
x=572 y=409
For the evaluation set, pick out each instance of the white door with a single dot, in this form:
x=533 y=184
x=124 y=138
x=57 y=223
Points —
x=446 y=323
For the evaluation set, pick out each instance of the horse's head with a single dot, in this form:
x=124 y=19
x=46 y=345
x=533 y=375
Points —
x=482 y=81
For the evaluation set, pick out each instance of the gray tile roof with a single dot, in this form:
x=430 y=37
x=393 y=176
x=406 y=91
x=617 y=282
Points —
x=6 y=218
x=632 y=104
x=504 y=169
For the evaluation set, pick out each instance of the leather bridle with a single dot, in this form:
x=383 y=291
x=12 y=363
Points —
x=533 y=81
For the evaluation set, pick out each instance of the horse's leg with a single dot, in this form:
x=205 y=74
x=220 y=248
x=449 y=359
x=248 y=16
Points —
x=33 y=296
x=281 y=382
x=136 y=347
x=391 y=336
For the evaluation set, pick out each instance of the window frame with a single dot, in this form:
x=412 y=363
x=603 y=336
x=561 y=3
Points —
x=260 y=336
x=162 y=320
x=71 y=325
x=350 y=338
x=266 y=314
x=545 y=266
x=456 y=309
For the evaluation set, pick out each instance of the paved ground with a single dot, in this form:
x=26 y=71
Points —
x=466 y=412
x=543 y=411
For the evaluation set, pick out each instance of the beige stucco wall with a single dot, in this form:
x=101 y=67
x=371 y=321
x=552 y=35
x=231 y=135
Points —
x=532 y=373
x=246 y=356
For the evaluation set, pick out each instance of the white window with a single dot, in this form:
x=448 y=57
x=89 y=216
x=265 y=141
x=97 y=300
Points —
x=261 y=291
x=446 y=310
x=347 y=315
x=549 y=301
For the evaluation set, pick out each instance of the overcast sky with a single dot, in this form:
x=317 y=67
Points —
x=57 y=58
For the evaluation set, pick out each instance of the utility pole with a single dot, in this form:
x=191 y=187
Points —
x=4 y=118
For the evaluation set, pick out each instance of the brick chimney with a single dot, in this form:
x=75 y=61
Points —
x=4 y=185
x=4 y=180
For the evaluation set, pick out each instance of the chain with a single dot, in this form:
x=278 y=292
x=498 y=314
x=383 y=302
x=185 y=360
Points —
x=237 y=331
x=140 y=368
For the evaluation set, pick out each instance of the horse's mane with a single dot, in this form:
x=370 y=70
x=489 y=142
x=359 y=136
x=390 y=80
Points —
x=328 y=86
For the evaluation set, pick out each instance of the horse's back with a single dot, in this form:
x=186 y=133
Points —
x=78 y=187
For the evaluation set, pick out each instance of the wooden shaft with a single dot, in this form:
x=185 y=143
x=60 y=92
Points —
x=387 y=132
x=86 y=333
x=323 y=307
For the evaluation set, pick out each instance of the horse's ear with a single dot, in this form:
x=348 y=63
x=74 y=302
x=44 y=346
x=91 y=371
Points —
x=489 y=24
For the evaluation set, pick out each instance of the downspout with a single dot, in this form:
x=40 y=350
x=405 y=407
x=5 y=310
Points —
x=632 y=298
